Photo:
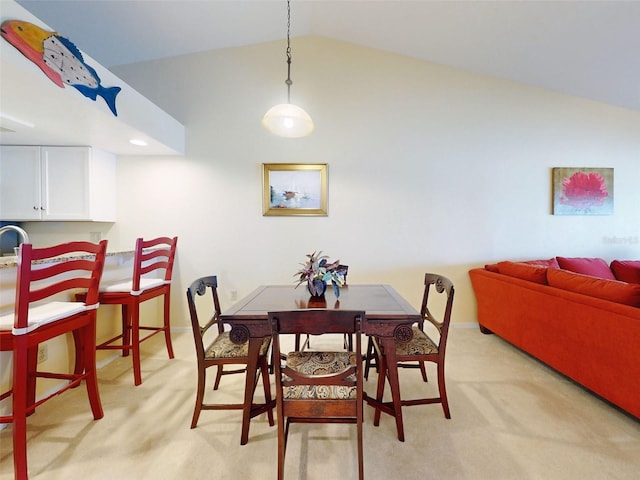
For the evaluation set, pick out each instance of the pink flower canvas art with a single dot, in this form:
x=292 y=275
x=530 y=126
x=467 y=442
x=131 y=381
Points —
x=582 y=191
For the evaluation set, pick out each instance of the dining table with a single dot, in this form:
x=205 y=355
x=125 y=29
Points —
x=389 y=317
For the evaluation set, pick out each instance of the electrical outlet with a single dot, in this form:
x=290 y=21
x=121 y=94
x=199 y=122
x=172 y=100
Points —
x=233 y=295
x=43 y=352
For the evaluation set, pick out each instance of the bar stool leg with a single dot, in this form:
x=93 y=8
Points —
x=19 y=408
x=88 y=352
x=167 y=326
x=126 y=328
x=135 y=342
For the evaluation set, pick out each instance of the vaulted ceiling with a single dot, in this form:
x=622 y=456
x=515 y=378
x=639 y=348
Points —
x=584 y=48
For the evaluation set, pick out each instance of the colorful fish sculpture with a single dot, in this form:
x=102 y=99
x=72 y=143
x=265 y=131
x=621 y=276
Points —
x=58 y=58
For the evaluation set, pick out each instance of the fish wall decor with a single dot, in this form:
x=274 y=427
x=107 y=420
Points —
x=59 y=59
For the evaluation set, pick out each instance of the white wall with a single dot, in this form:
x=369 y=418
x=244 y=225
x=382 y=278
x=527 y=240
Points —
x=430 y=169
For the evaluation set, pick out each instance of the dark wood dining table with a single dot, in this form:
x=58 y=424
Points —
x=388 y=316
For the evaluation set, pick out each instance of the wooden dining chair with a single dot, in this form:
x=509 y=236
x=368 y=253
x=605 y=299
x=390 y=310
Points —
x=344 y=269
x=152 y=270
x=42 y=311
x=421 y=348
x=214 y=348
x=370 y=358
x=317 y=386
x=348 y=339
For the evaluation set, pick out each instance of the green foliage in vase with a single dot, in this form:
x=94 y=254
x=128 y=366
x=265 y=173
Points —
x=318 y=268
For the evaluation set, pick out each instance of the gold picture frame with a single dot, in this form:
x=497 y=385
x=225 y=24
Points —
x=294 y=189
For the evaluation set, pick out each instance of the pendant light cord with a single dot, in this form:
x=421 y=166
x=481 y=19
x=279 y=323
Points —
x=288 y=81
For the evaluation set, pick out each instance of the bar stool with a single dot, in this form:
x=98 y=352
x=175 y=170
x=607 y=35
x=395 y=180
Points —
x=40 y=315
x=154 y=257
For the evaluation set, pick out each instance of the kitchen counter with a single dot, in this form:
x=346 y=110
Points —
x=118 y=266
x=11 y=261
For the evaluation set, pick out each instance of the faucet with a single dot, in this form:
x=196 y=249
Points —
x=20 y=231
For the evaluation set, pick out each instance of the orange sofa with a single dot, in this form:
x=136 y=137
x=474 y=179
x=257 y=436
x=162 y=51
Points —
x=594 y=341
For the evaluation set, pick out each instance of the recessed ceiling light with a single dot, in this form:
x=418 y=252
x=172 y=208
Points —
x=138 y=142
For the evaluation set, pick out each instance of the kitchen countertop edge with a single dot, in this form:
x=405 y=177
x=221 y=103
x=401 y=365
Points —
x=12 y=262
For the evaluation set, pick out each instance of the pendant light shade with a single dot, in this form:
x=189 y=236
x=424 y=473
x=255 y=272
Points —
x=286 y=119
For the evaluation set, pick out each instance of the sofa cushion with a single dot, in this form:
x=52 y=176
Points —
x=596 y=267
x=492 y=267
x=612 y=290
x=532 y=273
x=626 y=270
x=551 y=263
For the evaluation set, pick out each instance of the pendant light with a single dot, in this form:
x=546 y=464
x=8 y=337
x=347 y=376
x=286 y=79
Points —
x=287 y=119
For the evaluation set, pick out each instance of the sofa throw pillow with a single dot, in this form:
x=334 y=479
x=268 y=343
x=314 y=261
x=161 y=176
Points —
x=596 y=267
x=612 y=290
x=551 y=263
x=626 y=270
x=492 y=267
x=531 y=273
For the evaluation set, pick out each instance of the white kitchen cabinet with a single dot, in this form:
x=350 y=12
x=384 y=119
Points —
x=57 y=183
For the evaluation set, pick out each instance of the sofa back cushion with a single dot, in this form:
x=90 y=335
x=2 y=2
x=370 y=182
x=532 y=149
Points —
x=626 y=270
x=596 y=267
x=532 y=273
x=551 y=263
x=612 y=290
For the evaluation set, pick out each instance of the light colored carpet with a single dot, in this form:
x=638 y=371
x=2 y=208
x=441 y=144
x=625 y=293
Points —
x=512 y=418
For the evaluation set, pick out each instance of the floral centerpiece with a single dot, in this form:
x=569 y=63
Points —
x=317 y=272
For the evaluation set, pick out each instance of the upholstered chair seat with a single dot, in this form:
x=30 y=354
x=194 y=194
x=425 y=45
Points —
x=420 y=344
x=320 y=363
x=223 y=347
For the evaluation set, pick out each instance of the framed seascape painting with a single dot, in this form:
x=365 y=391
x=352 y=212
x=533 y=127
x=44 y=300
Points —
x=583 y=191
x=294 y=189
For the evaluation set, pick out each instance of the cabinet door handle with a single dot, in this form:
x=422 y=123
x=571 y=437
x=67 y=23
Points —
x=35 y=208
x=42 y=208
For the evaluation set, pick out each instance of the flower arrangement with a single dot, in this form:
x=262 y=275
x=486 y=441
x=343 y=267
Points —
x=317 y=272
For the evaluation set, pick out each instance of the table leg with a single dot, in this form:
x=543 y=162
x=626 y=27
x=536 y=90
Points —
x=250 y=382
x=382 y=375
x=389 y=346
